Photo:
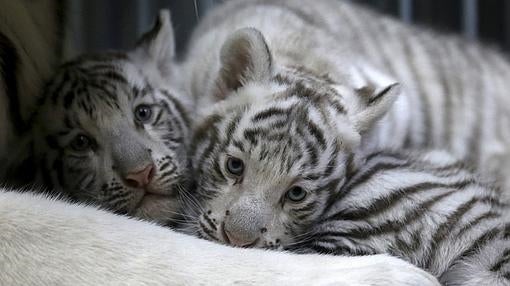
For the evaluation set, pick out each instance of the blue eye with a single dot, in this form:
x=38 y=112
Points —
x=143 y=113
x=81 y=143
x=296 y=194
x=235 y=166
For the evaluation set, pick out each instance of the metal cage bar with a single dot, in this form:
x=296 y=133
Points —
x=470 y=19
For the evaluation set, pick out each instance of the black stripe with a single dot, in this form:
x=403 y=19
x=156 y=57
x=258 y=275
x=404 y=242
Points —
x=479 y=243
x=232 y=127
x=503 y=260
x=179 y=107
x=332 y=162
x=406 y=248
x=252 y=134
x=357 y=180
x=476 y=222
x=506 y=231
x=268 y=113
x=207 y=231
x=377 y=168
x=390 y=226
x=164 y=166
x=382 y=204
x=445 y=228
x=378 y=97
x=206 y=132
x=317 y=134
x=210 y=222
x=238 y=144
x=158 y=117
x=308 y=207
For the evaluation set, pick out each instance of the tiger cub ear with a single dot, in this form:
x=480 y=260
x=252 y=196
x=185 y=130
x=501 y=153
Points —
x=158 y=44
x=376 y=94
x=244 y=57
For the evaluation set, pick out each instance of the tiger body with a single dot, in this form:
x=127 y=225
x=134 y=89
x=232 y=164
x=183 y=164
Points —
x=453 y=92
x=426 y=208
x=289 y=106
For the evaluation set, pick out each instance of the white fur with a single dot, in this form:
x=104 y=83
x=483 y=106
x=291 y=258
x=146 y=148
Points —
x=44 y=241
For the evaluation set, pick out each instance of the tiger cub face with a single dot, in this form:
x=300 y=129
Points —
x=277 y=145
x=113 y=130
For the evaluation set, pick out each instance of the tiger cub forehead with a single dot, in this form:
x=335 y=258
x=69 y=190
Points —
x=285 y=99
x=99 y=88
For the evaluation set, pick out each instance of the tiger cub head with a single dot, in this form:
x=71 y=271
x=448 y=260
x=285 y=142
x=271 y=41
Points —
x=278 y=143
x=112 y=129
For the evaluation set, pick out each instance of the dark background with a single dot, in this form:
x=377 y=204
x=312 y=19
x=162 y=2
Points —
x=96 y=25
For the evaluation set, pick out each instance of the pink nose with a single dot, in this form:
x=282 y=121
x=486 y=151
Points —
x=140 y=179
x=239 y=241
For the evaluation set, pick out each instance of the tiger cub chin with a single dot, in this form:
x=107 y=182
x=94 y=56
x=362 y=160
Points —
x=112 y=128
x=426 y=208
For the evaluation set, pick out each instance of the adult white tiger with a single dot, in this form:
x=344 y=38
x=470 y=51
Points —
x=113 y=129
x=48 y=242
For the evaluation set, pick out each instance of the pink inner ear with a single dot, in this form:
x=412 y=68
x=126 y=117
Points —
x=236 y=66
x=235 y=69
x=244 y=56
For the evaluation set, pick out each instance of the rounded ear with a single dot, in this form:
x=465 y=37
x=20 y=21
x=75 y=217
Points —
x=378 y=103
x=244 y=57
x=376 y=94
x=158 y=44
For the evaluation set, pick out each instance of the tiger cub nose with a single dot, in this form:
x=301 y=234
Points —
x=140 y=179
x=239 y=240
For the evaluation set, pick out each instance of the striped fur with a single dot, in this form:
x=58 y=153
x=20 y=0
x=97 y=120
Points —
x=97 y=97
x=454 y=93
x=284 y=138
x=426 y=208
x=294 y=115
x=293 y=130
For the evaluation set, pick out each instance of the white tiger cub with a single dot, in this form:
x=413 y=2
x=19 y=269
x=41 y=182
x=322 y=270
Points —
x=93 y=247
x=293 y=106
x=454 y=93
x=113 y=129
x=424 y=207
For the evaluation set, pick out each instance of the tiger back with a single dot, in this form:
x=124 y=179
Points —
x=425 y=207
